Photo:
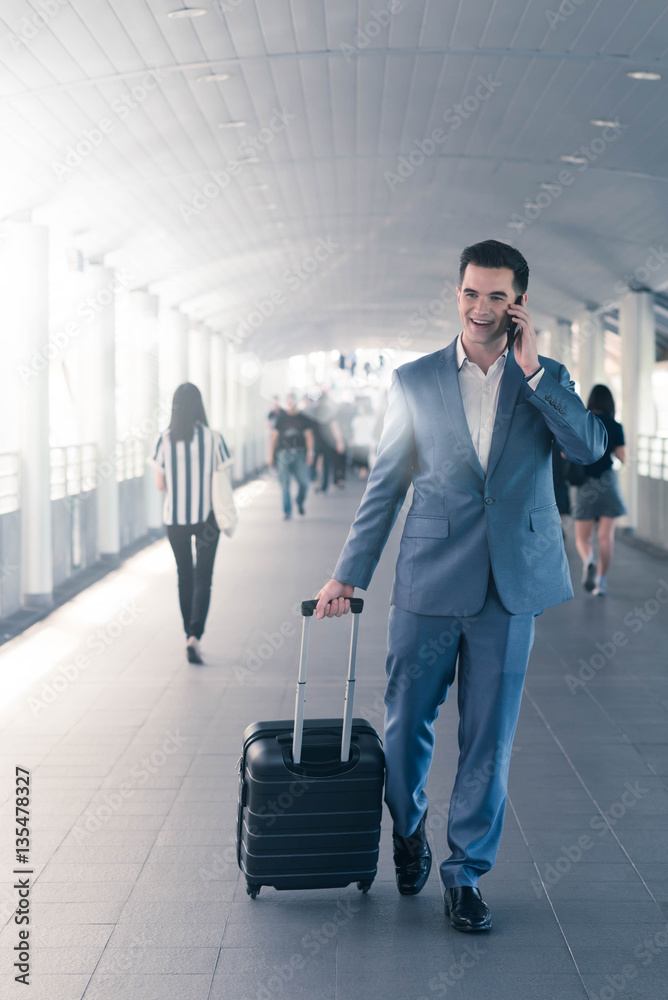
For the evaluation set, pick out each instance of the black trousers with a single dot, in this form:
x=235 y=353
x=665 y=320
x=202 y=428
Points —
x=194 y=577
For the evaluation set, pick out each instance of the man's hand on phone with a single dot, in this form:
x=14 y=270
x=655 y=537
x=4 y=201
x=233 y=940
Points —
x=525 y=348
x=333 y=599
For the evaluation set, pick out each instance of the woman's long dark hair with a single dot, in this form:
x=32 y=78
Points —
x=187 y=410
x=601 y=401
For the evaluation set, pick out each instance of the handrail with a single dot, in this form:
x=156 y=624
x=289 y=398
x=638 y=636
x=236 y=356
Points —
x=10 y=482
x=72 y=470
x=652 y=456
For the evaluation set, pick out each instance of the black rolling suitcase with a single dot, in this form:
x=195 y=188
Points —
x=311 y=793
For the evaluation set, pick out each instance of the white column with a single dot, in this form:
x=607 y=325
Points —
x=561 y=343
x=589 y=332
x=97 y=404
x=199 y=361
x=28 y=289
x=218 y=415
x=146 y=402
x=172 y=352
x=637 y=330
x=544 y=343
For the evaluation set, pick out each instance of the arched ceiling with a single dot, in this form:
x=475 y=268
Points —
x=111 y=133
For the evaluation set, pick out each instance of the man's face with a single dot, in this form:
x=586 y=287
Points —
x=291 y=403
x=483 y=300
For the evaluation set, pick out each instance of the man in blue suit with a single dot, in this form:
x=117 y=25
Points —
x=471 y=428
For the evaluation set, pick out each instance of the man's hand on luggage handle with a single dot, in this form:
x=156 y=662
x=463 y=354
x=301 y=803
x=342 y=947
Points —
x=337 y=594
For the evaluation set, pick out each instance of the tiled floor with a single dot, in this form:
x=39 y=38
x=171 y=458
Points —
x=136 y=892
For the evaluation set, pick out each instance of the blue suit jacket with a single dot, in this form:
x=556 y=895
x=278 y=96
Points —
x=460 y=519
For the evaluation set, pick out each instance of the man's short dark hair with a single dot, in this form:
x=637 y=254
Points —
x=492 y=253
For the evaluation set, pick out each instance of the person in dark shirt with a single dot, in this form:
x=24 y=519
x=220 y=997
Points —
x=599 y=498
x=291 y=449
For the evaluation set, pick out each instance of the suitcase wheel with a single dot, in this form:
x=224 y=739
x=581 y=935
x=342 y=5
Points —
x=252 y=888
x=364 y=886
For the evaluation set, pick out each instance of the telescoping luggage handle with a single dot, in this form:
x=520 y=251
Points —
x=308 y=607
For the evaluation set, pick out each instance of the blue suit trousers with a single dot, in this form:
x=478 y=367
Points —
x=488 y=653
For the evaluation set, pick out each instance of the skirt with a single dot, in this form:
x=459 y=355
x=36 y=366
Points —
x=599 y=498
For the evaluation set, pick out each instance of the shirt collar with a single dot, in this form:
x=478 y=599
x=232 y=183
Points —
x=461 y=353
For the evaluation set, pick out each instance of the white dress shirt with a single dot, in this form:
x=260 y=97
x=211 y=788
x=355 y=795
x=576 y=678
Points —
x=480 y=396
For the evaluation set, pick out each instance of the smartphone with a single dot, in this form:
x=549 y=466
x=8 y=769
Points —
x=514 y=328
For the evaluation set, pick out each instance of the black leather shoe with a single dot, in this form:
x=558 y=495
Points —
x=466 y=909
x=412 y=859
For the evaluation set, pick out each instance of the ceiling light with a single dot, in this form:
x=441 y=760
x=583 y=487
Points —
x=574 y=159
x=257 y=187
x=248 y=159
x=213 y=77
x=605 y=122
x=266 y=208
x=549 y=185
x=516 y=225
x=187 y=12
x=237 y=124
x=642 y=75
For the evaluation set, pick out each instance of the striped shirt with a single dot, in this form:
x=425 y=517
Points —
x=188 y=468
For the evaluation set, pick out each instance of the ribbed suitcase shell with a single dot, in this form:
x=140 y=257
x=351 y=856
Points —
x=315 y=824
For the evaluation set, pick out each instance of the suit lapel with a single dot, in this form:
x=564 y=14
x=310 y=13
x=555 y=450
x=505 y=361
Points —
x=448 y=380
x=511 y=380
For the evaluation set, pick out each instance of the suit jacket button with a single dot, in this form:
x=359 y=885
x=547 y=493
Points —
x=549 y=399
x=489 y=500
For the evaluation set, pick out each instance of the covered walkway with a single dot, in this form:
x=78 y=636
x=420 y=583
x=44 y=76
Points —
x=133 y=757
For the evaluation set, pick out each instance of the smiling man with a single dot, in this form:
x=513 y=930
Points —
x=471 y=428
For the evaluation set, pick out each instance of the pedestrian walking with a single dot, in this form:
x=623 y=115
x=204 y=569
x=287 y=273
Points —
x=185 y=457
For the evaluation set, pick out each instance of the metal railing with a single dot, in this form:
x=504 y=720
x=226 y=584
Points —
x=653 y=457
x=131 y=463
x=72 y=470
x=10 y=482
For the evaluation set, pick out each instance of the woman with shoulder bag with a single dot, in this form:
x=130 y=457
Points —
x=599 y=498
x=186 y=458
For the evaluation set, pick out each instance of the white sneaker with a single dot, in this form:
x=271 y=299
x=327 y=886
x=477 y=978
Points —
x=601 y=587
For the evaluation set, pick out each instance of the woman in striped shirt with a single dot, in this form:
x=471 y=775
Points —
x=186 y=456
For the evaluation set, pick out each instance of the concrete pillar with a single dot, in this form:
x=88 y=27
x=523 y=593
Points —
x=146 y=405
x=218 y=415
x=589 y=333
x=28 y=290
x=97 y=404
x=637 y=330
x=544 y=343
x=561 y=343
x=172 y=352
x=199 y=362
x=236 y=414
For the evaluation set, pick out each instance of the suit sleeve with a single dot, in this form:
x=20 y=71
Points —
x=384 y=495
x=579 y=433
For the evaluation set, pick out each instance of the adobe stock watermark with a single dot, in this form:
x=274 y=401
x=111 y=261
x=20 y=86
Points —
x=600 y=822
x=112 y=799
x=646 y=951
x=292 y=279
x=97 y=642
x=454 y=118
x=220 y=179
x=378 y=19
x=86 y=310
x=565 y=10
x=552 y=191
x=447 y=980
x=635 y=620
x=92 y=138
x=32 y=24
